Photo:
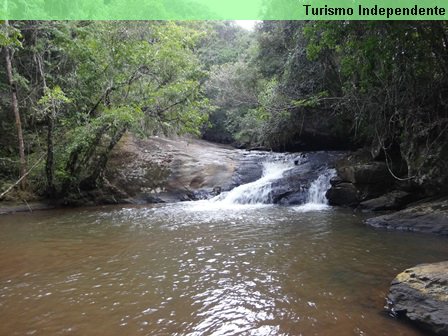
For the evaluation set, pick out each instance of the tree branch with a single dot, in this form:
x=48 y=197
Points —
x=21 y=178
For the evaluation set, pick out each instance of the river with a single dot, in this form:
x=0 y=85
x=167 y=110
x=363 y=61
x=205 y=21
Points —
x=203 y=268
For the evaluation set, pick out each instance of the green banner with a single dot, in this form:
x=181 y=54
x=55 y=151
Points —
x=223 y=10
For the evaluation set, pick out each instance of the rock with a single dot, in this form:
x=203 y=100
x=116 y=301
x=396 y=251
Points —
x=343 y=193
x=157 y=169
x=292 y=188
x=428 y=217
x=420 y=294
x=394 y=200
x=249 y=169
x=294 y=198
x=365 y=173
x=360 y=180
x=147 y=198
x=370 y=191
x=201 y=194
x=216 y=191
x=335 y=181
x=166 y=170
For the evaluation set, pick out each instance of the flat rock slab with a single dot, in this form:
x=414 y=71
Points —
x=428 y=217
x=160 y=169
x=420 y=294
x=394 y=200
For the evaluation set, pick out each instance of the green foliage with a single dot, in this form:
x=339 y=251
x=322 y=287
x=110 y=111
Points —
x=223 y=42
x=9 y=35
x=88 y=83
x=374 y=83
x=84 y=84
x=51 y=102
x=393 y=78
x=277 y=78
x=232 y=83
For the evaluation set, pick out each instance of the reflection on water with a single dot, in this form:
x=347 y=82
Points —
x=201 y=269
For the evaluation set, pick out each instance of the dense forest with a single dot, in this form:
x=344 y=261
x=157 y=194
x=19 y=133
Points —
x=70 y=91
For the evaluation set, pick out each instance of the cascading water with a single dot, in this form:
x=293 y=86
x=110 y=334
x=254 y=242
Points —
x=259 y=191
x=316 y=199
x=283 y=174
x=318 y=189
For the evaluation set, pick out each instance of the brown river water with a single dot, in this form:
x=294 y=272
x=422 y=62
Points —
x=200 y=269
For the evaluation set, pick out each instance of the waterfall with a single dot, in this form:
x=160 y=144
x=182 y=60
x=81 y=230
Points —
x=259 y=191
x=316 y=199
x=276 y=175
x=319 y=187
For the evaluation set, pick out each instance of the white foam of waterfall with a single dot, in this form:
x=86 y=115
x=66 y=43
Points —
x=259 y=191
x=316 y=199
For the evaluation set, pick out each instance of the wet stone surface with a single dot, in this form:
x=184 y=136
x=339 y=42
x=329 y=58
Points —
x=420 y=294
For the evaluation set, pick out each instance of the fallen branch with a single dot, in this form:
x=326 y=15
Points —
x=21 y=178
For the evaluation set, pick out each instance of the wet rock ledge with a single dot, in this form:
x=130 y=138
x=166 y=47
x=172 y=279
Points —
x=426 y=217
x=368 y=185
x=420 y=294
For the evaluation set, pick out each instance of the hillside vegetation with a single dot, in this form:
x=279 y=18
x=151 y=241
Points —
x=70 y=91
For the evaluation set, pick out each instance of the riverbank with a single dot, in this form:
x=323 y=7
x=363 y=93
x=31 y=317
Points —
x=14 y=207
x=417 y=294
x=367 y=185
x=162 y=170
x=152 y=170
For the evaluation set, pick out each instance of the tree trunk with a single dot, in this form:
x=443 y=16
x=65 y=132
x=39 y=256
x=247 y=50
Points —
x=49 y=163
x=91 y=181
x=15 y=108
x=81 y=154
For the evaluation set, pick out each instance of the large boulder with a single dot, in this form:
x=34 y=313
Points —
x=420 y=294
x=292 y=188
x=343 y=193
x=428 y=217
x=168 y=170
x=359 y=180
x=365 y=173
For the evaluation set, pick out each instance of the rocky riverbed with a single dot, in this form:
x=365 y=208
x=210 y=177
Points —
x=159 y=170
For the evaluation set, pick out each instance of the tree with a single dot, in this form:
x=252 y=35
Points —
x=9 y=39
x=49 y=107
x=137 y=76
x=394 y=80
x=85 y=84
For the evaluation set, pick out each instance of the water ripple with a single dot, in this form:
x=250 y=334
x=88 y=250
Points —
x=192 y=269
